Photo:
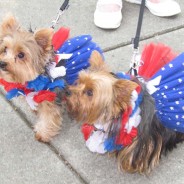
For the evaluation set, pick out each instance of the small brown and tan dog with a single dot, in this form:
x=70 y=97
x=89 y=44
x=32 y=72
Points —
x=23 y=56
x=120 y=118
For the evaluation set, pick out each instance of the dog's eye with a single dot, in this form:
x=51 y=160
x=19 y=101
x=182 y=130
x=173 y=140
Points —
x=20 y=55
x=68 y=92
x=89 y=92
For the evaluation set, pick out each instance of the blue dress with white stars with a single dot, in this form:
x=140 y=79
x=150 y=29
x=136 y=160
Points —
x=79 y=50
x=169 y=94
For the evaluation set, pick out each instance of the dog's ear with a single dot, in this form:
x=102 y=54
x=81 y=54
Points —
x=122 y=90
x=44 y=38
x=96 y=61
x=9 y=24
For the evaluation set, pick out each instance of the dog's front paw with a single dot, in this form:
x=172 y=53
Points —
x=41 y=137
x=41 y=134
x=44 y=133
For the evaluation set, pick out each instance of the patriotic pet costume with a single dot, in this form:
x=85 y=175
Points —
x=162 y=73
x=72 y=55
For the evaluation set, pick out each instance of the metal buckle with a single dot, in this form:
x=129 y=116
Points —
x=64 y=7
x=136 y=61
x=55 y=21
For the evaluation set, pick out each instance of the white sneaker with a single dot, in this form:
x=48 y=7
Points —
x=161 y=8
x=108 y=14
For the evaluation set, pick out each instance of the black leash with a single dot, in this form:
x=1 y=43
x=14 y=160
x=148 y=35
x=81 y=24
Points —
x=139 y=25
x=135 y=63
x=63 y=7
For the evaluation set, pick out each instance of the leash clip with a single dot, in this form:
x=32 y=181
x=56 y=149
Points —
x=136 y=62
x=63 y=7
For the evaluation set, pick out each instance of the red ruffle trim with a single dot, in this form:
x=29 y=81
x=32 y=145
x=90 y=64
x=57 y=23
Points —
x=87 y=130
x=44 y=95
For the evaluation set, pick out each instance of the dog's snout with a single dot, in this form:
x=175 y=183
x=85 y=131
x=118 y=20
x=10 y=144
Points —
x=3 y=64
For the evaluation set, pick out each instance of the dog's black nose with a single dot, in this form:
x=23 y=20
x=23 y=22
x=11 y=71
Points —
x=3 y=64
x=68 y=92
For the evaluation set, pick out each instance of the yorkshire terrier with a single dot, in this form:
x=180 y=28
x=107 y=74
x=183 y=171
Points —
x=120 y=117
x=23 y=57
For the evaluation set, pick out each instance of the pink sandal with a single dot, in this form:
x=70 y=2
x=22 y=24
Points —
x=108 y=14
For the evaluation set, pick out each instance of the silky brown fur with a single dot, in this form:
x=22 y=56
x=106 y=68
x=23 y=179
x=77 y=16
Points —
x=99 y=96
x=110 y=95
x=26 y=55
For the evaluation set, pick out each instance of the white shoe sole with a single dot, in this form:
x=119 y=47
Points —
x=106 y=25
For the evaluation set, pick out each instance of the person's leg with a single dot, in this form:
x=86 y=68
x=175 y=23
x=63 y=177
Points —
x=161 y=8
x=108 y=14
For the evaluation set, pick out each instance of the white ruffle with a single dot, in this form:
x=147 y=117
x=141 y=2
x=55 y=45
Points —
x=54 y=71
x=95 y=142
x=150 y=85
x=29 y=98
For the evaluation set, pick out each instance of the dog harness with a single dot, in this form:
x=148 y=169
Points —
x=164 y=72
x=72 y=55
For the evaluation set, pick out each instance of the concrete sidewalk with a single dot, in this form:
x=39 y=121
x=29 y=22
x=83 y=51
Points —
x=66 y=159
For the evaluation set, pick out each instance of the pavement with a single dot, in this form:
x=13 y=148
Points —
x=66 y=160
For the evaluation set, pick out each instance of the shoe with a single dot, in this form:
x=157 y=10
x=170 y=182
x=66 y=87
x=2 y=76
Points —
x=161 y=8
x=108 y=14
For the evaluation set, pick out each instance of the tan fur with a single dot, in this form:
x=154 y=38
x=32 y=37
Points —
x=51 y=113
x=97 y=62
x=125 y=158
x=37 y=52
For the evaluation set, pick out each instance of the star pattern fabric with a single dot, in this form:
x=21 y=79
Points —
x=79 y=49
x=169 y=96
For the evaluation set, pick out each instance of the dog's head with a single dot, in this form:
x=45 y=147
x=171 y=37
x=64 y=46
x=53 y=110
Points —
x=98 y=95
x=23 y=54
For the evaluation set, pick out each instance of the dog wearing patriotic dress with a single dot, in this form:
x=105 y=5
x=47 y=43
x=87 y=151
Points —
x=38 y=65
x=136 y=118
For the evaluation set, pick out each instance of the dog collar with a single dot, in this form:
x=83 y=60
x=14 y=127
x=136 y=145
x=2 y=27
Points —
x=118 y=133
x=35 y=91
